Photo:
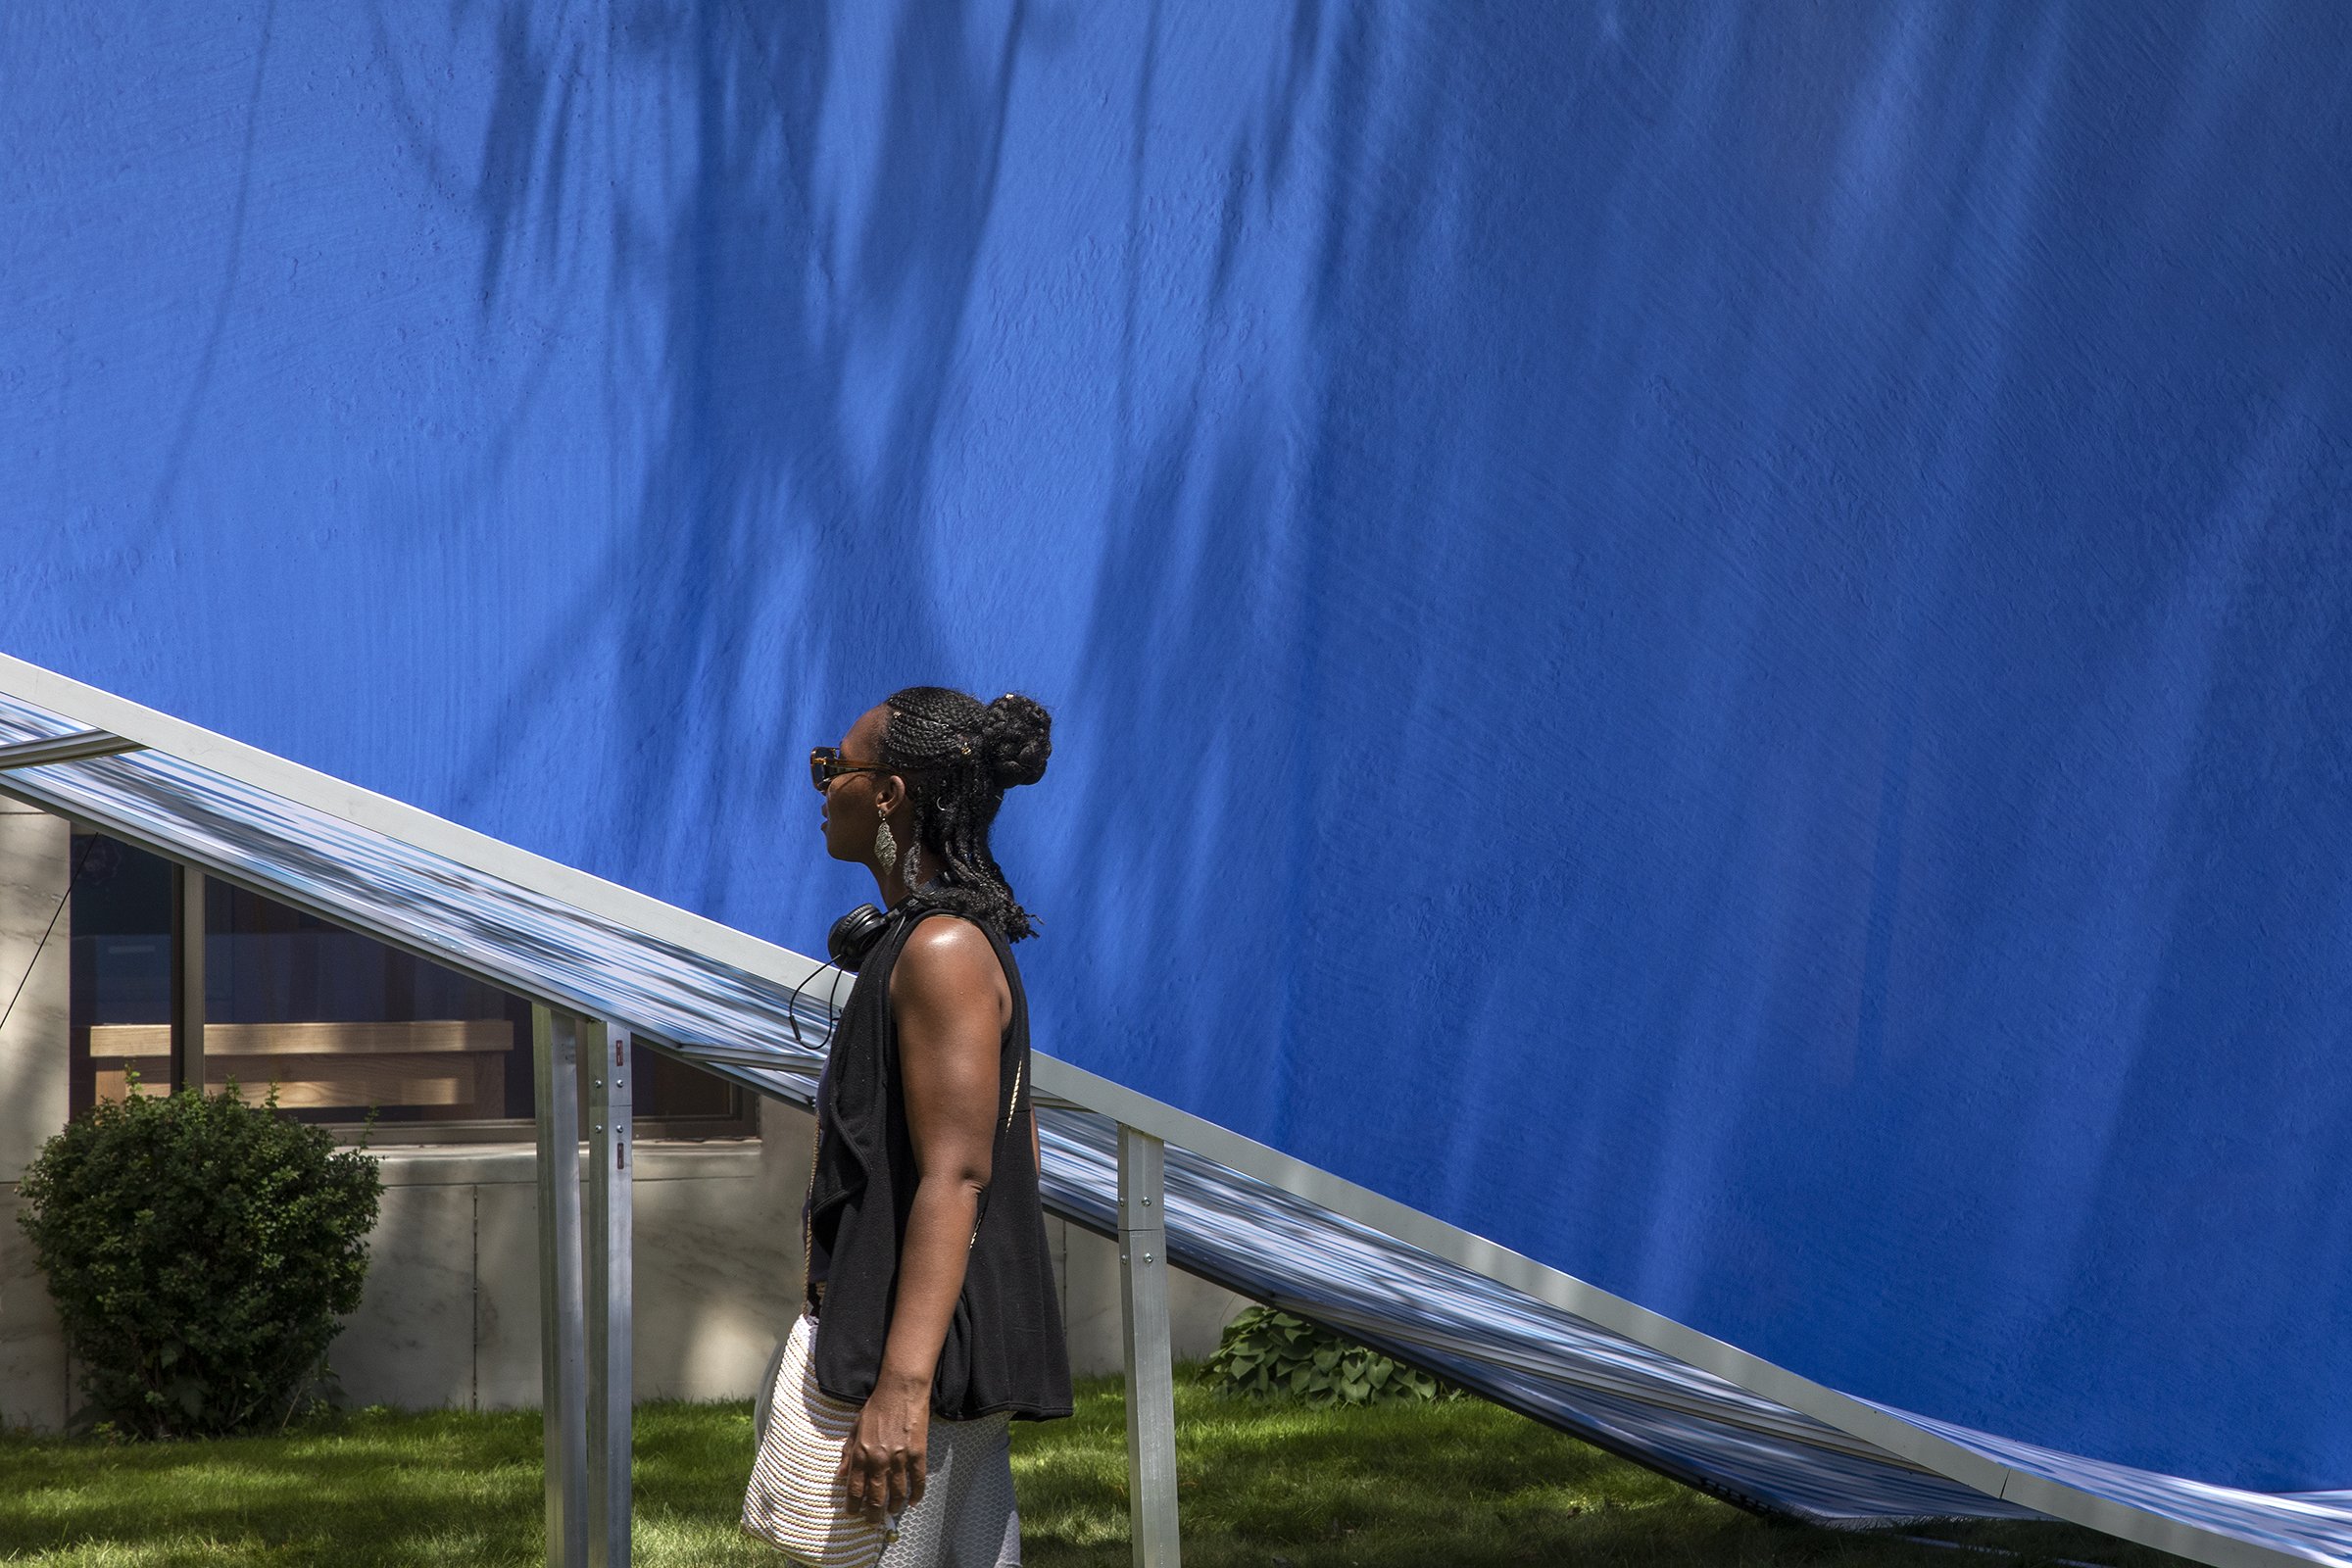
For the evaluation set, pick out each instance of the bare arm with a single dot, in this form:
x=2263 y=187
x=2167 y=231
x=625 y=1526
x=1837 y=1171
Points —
x=949 y=996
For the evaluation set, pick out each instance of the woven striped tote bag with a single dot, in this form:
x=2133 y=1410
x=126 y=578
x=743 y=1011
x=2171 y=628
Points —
x=795 y=1500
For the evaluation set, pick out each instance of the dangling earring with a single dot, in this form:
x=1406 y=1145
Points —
x=886 y=848
x=913 y=876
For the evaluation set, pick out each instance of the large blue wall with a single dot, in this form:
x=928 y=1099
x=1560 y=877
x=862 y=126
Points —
x=1713 y=641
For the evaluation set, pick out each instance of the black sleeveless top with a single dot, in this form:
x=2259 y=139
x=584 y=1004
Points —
x=1004 y=1348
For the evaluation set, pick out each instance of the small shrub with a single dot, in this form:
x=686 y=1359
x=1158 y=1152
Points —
x=200 y=1250
x=1266 y=1353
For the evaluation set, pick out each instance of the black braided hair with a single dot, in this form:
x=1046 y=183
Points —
x=958 y=757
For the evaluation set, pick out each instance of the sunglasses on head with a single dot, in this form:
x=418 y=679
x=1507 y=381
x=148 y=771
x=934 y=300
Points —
x=825 y=766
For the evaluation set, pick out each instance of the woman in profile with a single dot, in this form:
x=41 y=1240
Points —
x=931 y=1320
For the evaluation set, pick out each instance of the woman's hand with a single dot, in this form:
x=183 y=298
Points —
x=884 y=1466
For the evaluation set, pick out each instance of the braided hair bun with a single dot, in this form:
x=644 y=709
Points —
x=1016 y=737
x=958 y=757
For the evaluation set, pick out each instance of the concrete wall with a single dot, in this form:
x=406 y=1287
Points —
x=452 y=1311
x=33 y=874
x=450 y=1314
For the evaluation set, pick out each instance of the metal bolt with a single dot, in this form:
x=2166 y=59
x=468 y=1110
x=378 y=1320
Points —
x=1147 y=1203
x=1146 y=1258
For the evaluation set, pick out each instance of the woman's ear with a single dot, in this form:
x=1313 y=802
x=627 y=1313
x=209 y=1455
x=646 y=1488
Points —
x=889 y=791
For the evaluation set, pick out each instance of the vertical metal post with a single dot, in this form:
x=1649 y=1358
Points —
x=604 y=1056
x=562 y=1347
x=187 y=977
x=1151 y=1372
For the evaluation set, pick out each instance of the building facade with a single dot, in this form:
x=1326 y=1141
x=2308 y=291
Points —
x=123 y=966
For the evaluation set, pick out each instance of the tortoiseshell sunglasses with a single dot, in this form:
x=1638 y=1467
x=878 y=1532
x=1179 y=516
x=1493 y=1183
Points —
x=825 y=766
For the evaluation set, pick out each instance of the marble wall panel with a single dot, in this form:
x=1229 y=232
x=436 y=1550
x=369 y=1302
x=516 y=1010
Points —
x=718 y=1276
x=1197 y=1313
x=410 y=1343
x=506 y=1297
x=1091 y=1307
x=1057 y=1245
x=1197 y=1310
x=787 y=1146
x=716 y=1268
x=35 y=867
x=35 y=1385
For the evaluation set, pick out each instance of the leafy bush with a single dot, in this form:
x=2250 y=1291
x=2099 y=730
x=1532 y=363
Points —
x=200 y=1250
x=1265 y=1352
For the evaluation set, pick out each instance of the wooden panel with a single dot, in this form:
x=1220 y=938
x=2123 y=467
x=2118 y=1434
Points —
x=443 y=1082
x=471 y=1086
x=114 y=1084
x=109 y=1040
x=490 y=1084
x=455 y=1066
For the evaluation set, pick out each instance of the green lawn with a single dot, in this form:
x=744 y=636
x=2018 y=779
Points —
x=1269 y=1485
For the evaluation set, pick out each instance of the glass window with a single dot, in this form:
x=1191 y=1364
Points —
x=343 y=1025
x=121 y=992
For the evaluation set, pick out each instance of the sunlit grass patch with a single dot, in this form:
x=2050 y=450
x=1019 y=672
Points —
x=1271 y=1486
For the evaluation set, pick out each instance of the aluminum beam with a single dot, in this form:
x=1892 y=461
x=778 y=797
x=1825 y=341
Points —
x=563 y=1330
x=612 y=1320
x=65 y=749
x=1150 y=1370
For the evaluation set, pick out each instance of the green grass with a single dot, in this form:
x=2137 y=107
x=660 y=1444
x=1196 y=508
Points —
x=1276 y=1486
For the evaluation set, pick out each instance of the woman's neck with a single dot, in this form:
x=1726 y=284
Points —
x=892 y=886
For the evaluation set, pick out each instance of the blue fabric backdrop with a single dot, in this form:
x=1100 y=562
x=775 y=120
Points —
x=1713 y=641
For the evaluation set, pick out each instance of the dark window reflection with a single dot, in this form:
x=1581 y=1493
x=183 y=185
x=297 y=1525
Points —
x=341 y=1024
x=121 y=967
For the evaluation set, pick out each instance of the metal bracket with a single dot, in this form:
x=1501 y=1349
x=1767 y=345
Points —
x=562 y=1347
x=1151 y=1371
x=605 y=1055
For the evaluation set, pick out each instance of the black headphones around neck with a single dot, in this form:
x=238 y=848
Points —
x=854 y=936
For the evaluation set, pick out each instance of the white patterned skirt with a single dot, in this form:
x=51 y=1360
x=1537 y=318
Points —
x=966 y=1519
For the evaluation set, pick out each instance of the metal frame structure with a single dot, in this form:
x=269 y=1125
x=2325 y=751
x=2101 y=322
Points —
x=573 y=1273
x=563 y=1287
x=612 y=1291
x=1149 y=1356
x=72 y=747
